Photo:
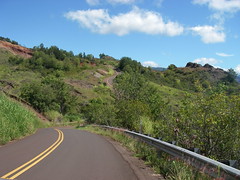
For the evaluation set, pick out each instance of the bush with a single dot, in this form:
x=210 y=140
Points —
x=53 y=116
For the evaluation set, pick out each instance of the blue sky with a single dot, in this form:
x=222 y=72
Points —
x=154 y=32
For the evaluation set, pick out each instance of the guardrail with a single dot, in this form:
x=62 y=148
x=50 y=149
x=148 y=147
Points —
x=209 y=166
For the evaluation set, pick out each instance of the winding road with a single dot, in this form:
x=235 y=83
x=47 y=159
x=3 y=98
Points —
x=63 y=154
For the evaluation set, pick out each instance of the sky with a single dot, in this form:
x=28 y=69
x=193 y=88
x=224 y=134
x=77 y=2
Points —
x=153 y=32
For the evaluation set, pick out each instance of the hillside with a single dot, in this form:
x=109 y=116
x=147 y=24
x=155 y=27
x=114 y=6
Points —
x=81 y=77
x=238 y=78
x=16 y=49
x=194 y=77
x=189 y=104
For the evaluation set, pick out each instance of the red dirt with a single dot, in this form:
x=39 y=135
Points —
x=16 y=49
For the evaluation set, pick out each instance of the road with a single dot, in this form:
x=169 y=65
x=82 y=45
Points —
x=73 y=155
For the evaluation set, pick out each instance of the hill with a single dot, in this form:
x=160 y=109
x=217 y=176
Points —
x=16 y=49
x=238 y=78
x=159 y=69
x=194 y=76
x=55 y=82
x=195 y=105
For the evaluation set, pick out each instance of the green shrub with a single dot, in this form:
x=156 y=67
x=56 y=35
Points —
x=53 y=116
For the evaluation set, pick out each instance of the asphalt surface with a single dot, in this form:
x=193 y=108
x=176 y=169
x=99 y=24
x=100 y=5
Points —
x=80 y=156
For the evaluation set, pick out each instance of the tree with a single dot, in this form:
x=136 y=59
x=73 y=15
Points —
x=40 y=96
x=172 y=67
x=102 y=55
x=100 y=111
x=231 y=76
x=130 y=112
x=49 y=94
x=210 y=123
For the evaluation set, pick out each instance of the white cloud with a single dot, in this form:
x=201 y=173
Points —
x=237 y=69
x=204 y=61
x=150 y=63
x=210 y=34
x=224 y=54
x=137 y=20
x=221 y=5
x=93 y=2
x=121 y=1
x=96 y=2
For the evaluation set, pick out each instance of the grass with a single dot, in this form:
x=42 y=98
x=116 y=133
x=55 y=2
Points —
x=172 y=95
x=162 y=163
x=4 y=55
x=15 y=120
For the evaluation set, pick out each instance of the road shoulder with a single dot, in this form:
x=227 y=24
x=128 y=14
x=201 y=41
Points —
x=142 y=171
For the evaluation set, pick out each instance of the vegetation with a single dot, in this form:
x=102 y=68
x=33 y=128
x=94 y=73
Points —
x=197 y=106
x=15 y=120
x=163 y=164
x=8 y=40
x=207 y=119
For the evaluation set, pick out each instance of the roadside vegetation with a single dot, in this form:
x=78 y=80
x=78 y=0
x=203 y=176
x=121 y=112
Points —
x=15 y=120
x=162 y=163
x=206 y=118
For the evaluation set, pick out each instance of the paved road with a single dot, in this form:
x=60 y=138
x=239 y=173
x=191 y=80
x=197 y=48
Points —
x=79 y=155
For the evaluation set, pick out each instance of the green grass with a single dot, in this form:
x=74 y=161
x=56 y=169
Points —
x=4 y=55
x=162 y=163
x=15 y=120
x=172 y=95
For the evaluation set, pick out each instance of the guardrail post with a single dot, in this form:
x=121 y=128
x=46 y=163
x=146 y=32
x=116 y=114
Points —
x=196 y=150
x=172 y=142
x=232 y=163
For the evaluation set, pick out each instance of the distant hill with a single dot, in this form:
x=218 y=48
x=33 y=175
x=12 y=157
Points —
x=191 y=77
x=238 y=78
x=159 y=69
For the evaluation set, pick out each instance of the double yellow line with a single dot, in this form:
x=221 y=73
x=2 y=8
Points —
x=23 y=168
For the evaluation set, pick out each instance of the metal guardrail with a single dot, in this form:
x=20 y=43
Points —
x=209 y=166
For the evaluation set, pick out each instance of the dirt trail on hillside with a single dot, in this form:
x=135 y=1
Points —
x=109 y=80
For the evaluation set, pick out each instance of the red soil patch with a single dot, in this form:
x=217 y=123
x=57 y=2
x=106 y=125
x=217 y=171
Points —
x=16 y=49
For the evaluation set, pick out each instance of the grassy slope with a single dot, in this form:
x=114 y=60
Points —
x=4 y=68
x=15 y=120
x=172 y=95
x=84 y=81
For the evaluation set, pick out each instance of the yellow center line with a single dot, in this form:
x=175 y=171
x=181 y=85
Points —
x=35 y=160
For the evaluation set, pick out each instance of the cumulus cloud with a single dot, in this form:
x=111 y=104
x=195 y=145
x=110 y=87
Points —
x=203 y=61
x=210 y=34
x=137 y=20
x=224 y=54
x=221 y=5
x=237 y=69
x=150 y=63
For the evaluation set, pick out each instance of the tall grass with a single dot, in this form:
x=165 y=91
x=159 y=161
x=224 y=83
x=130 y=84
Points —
x=15 y=120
